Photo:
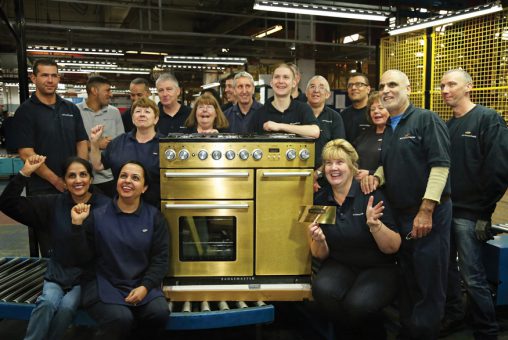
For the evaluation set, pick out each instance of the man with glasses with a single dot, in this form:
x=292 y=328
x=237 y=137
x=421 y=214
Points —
x=172 y=114
x=330 y=122
x=415 y=160
x=475 y=135
x=240 y=114
x=355 y=115
x=138 y=88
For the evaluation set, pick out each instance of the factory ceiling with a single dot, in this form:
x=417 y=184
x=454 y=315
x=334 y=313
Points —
x=202 y=28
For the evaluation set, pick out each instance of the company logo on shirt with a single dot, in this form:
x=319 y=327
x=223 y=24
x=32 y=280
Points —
x=295 y=123
x=468 y=134
x=407 y=136
x=144 y=230
x=327 y=121
x=358 y=214
x=67 y=115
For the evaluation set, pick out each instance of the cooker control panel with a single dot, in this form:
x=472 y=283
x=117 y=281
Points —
x=236 y=155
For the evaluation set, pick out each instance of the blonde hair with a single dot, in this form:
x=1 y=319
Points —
x=341 y=149
x=220 y=122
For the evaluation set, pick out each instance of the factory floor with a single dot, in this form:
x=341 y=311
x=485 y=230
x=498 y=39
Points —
x=293 y=321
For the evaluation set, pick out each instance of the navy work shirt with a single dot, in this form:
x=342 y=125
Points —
x=239 y=122
x=175 y=124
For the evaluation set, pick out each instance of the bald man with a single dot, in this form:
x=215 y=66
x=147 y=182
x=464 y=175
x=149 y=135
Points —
x=415 y=161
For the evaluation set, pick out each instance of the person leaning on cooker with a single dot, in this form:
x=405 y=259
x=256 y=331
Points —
x=140 y=144
x=138 y=88
x=415 y=160
x=56 y=307
x=96 y=110
x=355 y=115
x=281 y=113
x=240 y=114
x=172 y=114
x=358 y=275
x=124 y=247
x=475 y=134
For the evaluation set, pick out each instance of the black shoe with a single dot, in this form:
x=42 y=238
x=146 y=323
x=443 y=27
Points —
x=450 y=326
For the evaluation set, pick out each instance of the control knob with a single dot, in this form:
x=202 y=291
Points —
x=304 y=154
x=183 y=154
x=170 y=154
x=216 y=154
x=202 y=155
x=257 y=154
x=243 y=154
x=230 y=155
x=291 y=154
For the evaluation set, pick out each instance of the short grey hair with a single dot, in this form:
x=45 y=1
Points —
x=243 y=74
x=167 y=77
x=467 y=77
x=320 y=78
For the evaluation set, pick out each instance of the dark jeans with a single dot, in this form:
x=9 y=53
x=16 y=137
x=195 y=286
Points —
x=472 y=270
x=351 y=297
x=120 y=322
x=424 y=269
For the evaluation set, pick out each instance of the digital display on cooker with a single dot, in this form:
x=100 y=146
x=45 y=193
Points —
x=273 y=150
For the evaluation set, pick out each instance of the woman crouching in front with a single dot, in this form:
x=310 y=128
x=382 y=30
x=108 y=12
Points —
x=128 y=250
x=358 y=274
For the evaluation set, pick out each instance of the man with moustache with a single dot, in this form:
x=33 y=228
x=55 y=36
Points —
x=282 y=113
x=415 y=161
x=355 y=115
x=475 y=136
x=172 y=114
x=96 y=110
x=138 y=88
x=240 y=114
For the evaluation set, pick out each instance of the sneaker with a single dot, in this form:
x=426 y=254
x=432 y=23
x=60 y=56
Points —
x=450 y=326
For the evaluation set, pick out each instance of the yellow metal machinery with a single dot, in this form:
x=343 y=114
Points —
x=478 y=45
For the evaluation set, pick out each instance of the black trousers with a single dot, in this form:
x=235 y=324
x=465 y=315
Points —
x=353 y=297
x=121 y=322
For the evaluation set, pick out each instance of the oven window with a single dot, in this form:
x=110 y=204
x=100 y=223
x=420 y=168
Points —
x=207 y=238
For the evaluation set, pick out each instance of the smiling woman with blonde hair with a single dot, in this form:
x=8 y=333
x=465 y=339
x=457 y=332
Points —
x=358 y=274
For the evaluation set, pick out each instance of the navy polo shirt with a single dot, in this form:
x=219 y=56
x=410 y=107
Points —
x=297 y=113
x=355 y=122
x=126 y=148
x=349 y=239
x=331 y=127
x=128 y=125
x=474 y=138
x=50 y=131
x=239 y=122
x=419 y=142
x=175 y=124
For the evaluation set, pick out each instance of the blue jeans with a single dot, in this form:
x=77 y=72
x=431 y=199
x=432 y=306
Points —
x=53 y=313
x=473 y=274
x=424 y=268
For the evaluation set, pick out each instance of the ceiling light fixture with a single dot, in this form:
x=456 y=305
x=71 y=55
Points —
x=85 y=63
x=73 y=50
x=198 y=67
x=210 y=85
x=115 y=70
x=352 y=38
x=267 y=31
x=448 y=18
x=205 y=60
x=321 y=10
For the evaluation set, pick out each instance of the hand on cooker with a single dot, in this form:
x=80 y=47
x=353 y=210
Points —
x=271 y=126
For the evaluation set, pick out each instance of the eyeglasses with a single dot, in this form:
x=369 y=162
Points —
x=357 y=85
x=319 y=88
x=207 y=107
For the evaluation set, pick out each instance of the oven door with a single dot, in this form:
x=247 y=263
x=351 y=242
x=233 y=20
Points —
x=280 y=193
x=210 y=238
x=207 y=184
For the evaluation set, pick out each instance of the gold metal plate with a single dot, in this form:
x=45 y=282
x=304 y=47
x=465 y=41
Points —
x=318 y=214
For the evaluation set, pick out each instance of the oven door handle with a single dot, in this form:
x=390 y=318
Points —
x=206 y=206
x=205 y=174
x=287 y=174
